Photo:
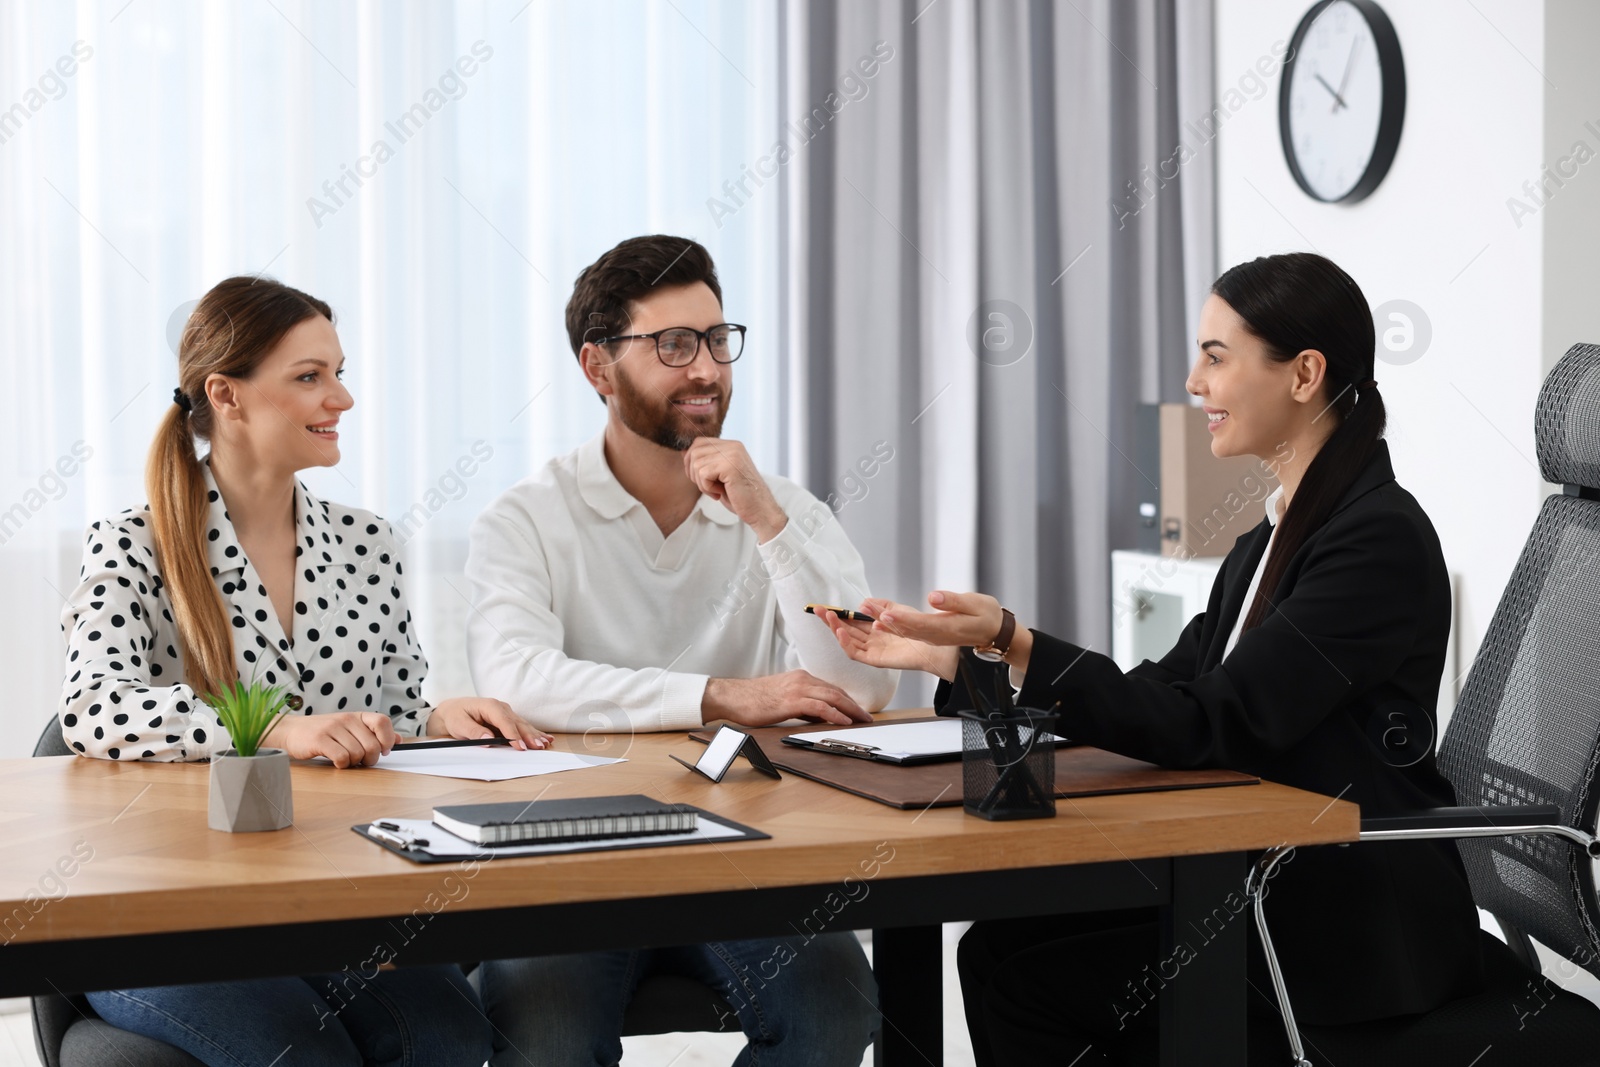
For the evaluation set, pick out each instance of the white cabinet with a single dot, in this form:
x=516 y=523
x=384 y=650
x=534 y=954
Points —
x=1152 y=599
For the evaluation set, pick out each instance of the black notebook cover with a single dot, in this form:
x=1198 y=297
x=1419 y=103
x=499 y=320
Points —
x=573 y=819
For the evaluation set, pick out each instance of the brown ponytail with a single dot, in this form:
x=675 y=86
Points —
x=1301 y=301
x=233 y=328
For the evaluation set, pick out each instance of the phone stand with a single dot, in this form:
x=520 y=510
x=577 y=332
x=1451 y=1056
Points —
x=727 y=745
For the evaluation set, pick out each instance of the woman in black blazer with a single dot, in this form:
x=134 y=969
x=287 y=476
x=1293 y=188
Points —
x=1316 y=664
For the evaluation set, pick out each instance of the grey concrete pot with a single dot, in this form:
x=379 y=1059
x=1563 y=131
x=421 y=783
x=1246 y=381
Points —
x=250 y=793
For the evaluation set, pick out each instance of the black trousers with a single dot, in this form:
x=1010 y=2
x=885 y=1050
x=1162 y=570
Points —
x=1044 y=990
x=1078 y=990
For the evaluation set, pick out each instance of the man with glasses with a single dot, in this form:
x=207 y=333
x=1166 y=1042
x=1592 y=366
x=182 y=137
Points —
x=654 y=579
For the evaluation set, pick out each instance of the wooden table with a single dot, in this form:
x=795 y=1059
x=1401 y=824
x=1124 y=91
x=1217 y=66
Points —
x=111 y=879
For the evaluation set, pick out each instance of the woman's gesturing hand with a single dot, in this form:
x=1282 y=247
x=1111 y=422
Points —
x=958 y=619
x=480 y=718
x=878 y=644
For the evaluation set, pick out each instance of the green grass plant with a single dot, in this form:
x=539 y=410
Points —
x=247 y=712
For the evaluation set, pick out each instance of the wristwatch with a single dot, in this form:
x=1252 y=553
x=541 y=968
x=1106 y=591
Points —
x=995 y=651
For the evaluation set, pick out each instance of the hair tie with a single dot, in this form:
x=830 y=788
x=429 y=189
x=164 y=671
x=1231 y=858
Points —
x=1370 y=383
x=180 y=398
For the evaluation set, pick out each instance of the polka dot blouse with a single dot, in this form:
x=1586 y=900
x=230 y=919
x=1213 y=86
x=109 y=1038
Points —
x=353 y=648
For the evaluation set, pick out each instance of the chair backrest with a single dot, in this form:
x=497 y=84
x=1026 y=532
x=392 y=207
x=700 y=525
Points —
x=50 y=742
x=53 y=1014
x=1527 y=727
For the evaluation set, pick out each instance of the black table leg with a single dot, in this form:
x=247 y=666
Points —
x=909 y=964
x=1202 y=963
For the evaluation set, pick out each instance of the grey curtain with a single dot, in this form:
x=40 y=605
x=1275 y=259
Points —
x=997 y=229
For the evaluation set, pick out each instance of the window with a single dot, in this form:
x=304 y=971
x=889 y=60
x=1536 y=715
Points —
x=437 y=173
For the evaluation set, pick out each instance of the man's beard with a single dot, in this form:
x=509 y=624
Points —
x=655 y=418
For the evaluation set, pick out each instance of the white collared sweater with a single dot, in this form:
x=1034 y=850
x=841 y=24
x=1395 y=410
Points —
x=585 y=618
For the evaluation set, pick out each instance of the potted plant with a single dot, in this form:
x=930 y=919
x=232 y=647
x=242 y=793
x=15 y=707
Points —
x=249 y=784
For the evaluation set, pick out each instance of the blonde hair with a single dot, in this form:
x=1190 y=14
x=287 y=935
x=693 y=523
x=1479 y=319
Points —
x=233 y=328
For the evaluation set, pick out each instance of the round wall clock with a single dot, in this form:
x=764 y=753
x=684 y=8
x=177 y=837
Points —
x=1342 y=100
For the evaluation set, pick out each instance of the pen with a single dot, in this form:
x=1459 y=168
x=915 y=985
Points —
x=972 y=686
x=844 y=613
x=459 y=742
x=398 y=840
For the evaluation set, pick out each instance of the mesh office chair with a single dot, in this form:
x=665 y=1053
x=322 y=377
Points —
x=1522 y=751
x=68 y=1033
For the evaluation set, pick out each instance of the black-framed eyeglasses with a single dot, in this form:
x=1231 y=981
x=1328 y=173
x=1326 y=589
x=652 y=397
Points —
x=677 y=346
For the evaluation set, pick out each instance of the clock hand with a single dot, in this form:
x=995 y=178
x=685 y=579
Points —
x=1348 y=63
x=1338 y=101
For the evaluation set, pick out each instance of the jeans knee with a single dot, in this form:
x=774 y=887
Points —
x=834 y=995
x=582 y=980
x=558 y=1009
x=189 y=1018
x=463 y=1029
x=116 y=1008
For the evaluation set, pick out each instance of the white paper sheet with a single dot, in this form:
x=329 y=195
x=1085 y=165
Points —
x=904 y=739
x=444 y=843
x=489 y=764
x=900 y=739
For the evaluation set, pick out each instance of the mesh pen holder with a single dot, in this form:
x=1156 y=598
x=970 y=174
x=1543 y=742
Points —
x=1008 y=764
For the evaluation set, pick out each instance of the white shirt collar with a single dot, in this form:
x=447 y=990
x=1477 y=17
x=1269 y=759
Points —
x=602 y=492
x=1272 y=506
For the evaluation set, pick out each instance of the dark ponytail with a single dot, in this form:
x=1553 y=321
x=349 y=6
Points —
x=1303 y=301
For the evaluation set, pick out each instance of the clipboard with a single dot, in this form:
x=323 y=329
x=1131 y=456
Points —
x=920 y=745
x=444 y=847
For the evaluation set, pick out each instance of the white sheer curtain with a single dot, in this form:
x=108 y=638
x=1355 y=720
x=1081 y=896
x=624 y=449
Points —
x=437 y=172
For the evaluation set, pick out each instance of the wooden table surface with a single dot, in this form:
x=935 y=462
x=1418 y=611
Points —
x=123 y=848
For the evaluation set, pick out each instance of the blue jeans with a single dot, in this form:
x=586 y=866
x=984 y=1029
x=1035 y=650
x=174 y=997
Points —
x=801 y=1003
x=411 y=1017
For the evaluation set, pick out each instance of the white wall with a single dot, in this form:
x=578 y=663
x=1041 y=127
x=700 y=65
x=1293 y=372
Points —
x=1496 y=90
x=1571 y=218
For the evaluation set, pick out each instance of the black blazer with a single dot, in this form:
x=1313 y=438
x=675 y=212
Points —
x=1333 y=692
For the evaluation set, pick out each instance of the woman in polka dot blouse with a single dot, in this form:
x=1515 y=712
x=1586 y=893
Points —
x=234 y=570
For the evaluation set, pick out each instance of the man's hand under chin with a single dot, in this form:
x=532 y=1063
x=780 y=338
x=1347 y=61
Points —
x=774 y=698
x=723 y=470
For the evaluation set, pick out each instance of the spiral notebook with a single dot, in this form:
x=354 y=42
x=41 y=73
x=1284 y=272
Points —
x=575 y=819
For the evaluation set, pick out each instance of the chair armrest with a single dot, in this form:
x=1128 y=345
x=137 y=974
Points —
x=1465 y=818
x=1460 y=823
